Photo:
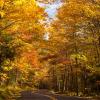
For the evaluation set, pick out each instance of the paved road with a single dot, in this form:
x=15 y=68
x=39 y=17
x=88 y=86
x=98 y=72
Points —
x=28 y=95
x=45 y=95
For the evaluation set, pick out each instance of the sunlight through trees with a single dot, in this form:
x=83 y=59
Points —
x=60 y=54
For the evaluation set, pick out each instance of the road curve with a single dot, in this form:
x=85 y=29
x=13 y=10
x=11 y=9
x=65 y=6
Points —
x=46 y=95
x=28 y=95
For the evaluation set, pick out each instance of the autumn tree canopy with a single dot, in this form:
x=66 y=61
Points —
x=21 y=24
x=68 y=61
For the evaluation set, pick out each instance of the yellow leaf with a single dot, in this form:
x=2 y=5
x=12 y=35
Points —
x=2 y=13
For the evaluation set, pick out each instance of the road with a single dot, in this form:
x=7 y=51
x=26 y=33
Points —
x=28 y=95
x=45 y=95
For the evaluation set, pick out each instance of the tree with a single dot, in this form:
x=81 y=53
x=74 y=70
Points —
x=72 y=30
x=21 y=24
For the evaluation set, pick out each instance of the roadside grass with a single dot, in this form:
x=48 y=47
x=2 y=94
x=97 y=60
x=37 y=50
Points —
x=92 y=96
x=9 y=92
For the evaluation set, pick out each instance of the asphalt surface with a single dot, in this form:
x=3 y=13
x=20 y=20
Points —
x=28 y=95
x=45 y=95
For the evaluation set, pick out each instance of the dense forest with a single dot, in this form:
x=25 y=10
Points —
x=61 y=54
